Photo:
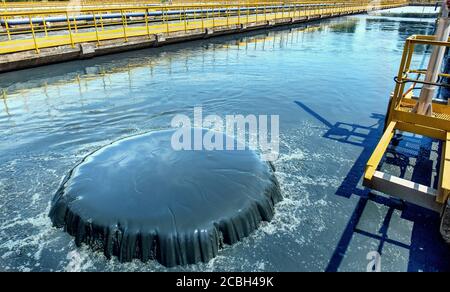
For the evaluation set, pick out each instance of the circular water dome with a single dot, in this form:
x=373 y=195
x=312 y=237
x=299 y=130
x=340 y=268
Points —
x=139 y=198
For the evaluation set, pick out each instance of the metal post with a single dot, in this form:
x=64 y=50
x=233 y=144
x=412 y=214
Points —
x=203 y=19
x=167 y=22
x=45 y=25
x=398 y=87
x=101 y=21
x=95 y=25
x=124 y=24
x=146 y=22
x=75 y=24
x=228 y=16
x=424 y=105
x=265 y=13
x=185 y=20
x=34 y=35
x=7 y=28
x=248 y=13
x=69 y=27
x=239 y=14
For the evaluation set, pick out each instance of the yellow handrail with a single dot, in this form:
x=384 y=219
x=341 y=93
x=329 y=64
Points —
x=133 y=21
x=405 y=71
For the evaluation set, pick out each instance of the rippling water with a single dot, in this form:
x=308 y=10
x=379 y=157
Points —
x=329 y=82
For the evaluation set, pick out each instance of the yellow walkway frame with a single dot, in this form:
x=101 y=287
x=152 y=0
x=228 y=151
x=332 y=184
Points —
x=401 y=117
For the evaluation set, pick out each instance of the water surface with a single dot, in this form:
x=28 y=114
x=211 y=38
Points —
x=328 y=81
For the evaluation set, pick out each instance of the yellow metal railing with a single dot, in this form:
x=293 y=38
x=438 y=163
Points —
x=39 y=5
x=403 y=117
x=55 y=4
x=414 y=76
x=424 y=2
x=34 y=30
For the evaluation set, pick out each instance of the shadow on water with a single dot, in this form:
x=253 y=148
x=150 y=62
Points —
x=427 y=250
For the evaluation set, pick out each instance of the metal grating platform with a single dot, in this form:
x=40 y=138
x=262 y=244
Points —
x=407 y=107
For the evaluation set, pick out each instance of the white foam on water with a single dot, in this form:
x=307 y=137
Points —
x=35 y=198
x=36 y=241
x=291 y=216
x=297 y=155
x=78 y=260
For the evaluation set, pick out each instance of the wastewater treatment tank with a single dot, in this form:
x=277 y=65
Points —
x=54 y=116
x=140 y=198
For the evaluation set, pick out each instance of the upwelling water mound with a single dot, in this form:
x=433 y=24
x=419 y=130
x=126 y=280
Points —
x=139 y=198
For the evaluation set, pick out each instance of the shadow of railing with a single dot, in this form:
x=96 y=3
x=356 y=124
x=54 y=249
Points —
x=427 y=250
